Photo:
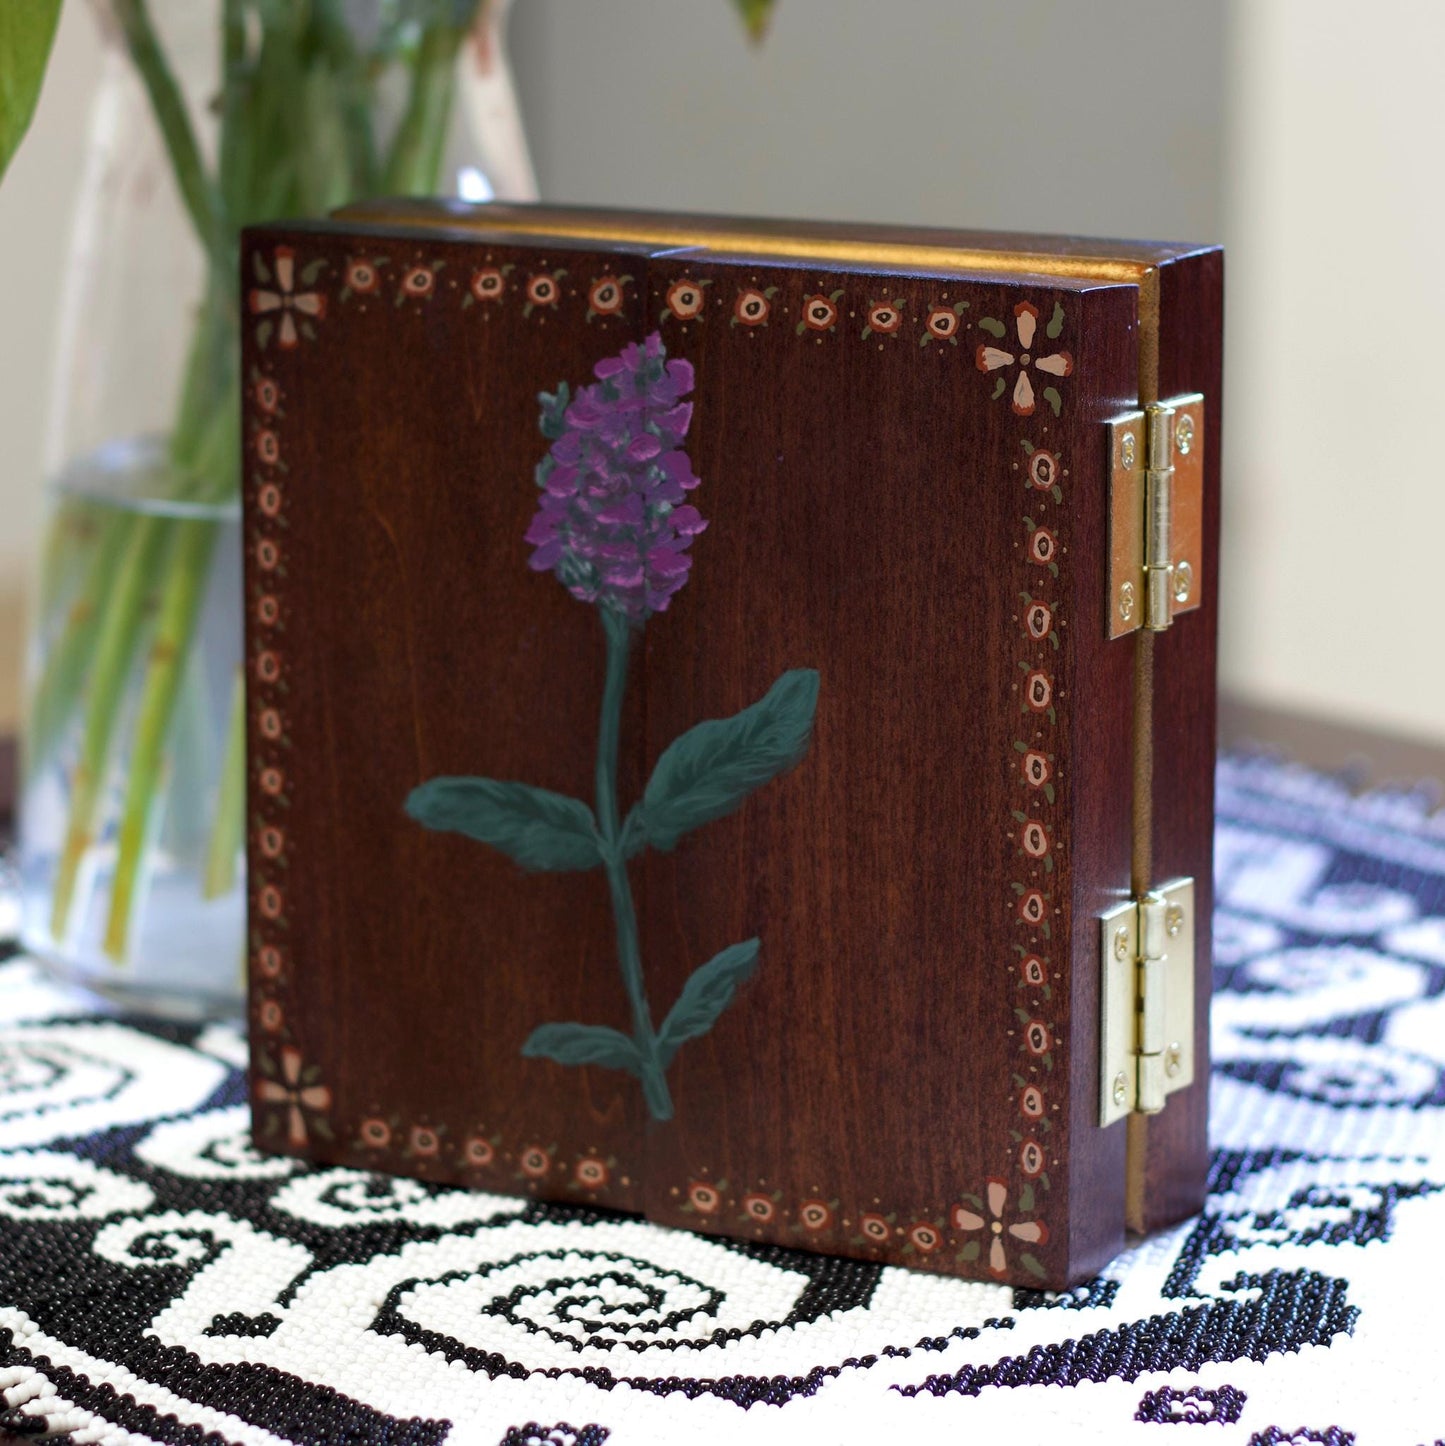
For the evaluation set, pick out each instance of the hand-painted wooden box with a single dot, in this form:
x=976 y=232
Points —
x=709 y=681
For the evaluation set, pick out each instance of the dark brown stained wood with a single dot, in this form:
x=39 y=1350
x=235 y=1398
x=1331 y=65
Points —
x=1171 y=1150
x=414 y=642
x=911 y=1073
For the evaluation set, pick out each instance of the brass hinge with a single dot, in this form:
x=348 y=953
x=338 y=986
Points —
x=1156 y=514
x=1147 y=988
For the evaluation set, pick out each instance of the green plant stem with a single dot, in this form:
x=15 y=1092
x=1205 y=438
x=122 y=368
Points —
x=644 y=1036
x=68 y=660
x=228 y=828
x=203 y=449
x=198 y=193
x=415 y=161
x=170 y=647
x=120 y=633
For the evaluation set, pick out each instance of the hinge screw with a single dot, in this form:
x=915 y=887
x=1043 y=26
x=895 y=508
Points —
x=1173 y=1060
x=1173 y=921
x=1126 y=601
x=1183 y=580
x=1121 y=945
x=1121 y=1088
x=1184 y=434
x=1128 y=449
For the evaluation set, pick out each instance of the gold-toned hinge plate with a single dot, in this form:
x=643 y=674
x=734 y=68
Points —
x=1156 y=514
x=1146 y=1051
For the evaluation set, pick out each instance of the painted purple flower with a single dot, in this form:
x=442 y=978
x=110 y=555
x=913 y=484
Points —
x=612 y=522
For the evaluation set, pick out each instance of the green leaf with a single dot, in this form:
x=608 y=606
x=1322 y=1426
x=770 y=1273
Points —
x=756 y=15
x=583 y=1044
x=709 y=771
x=992 y=326
x=1056 y=322
x=969 y=1251
x=1031 y=1265
x=1052 y=397
x=998 y=388
x=708 y=991
x=27 y=28
x=537 y=828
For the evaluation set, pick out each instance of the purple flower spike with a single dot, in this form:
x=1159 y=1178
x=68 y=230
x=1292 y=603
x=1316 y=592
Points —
x=610 y=521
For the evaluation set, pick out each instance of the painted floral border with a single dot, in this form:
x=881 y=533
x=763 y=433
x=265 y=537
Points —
x=993 y=1228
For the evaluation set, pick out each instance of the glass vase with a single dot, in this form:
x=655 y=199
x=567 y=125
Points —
x=210 y=115
x=131 y=883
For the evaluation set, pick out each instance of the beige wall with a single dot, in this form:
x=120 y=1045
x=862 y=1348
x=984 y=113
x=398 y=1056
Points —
x=1335 y=214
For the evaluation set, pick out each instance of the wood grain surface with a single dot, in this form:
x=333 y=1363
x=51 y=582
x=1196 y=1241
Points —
x=911 y=1075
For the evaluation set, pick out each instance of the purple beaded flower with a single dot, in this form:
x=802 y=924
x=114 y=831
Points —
x=612 y=523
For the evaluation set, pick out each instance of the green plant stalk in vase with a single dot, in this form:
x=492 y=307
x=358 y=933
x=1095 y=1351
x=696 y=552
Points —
x=297 y=137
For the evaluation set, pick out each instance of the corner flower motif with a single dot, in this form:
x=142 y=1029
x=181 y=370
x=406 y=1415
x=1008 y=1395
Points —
x=279 y=295
x=998 y=1229
x=611 y=523
x=995 y=358
x=684 y=300
x=296 y=1087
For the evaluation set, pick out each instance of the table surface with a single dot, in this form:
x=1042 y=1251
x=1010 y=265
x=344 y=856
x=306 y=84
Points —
x=1291 y=1311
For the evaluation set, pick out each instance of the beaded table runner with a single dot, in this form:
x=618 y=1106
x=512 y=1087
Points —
x=160 y=1281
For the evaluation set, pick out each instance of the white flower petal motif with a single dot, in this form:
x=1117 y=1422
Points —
x=1060 y=364
x=1023 y=394
x=1026 y=317
x=991 y=358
